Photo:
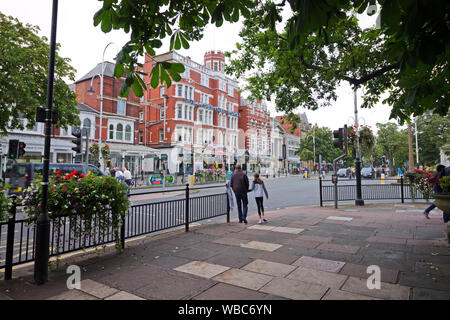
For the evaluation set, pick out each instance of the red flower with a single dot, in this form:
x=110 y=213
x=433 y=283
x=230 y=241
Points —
x=81 y=175
x=58 y=171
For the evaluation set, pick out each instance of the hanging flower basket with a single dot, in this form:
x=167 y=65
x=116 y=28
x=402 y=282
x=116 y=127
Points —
x=366 y=138
x=106 y=152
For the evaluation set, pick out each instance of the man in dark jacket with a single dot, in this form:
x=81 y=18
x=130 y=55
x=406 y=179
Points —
x=239 y=183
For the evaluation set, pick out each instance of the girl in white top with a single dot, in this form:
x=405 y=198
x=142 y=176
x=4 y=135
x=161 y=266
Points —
x=260 y=190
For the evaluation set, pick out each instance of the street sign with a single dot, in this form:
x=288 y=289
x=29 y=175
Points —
x=334 y=179
x=164 y=157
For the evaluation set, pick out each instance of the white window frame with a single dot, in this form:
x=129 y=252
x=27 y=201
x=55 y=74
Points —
x=125 y=107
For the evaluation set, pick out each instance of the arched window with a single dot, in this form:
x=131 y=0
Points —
x=111 y=132
x=128 y=133
x=119 y=132
x=87 y=126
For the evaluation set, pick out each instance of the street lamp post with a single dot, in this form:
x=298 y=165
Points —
x=358 y=201
x=43 y=221
x=417 y=141
x=165 y=102
x=91 y=91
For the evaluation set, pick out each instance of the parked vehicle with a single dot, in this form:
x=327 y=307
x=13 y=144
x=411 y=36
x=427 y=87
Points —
x=344 y=172
x=20 y=175
x=368 y=173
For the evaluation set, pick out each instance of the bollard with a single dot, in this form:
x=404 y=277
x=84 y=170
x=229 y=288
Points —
x=186 y=224
x=10 y=240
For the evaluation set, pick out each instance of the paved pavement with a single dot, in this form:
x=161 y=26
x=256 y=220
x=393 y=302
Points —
x=301 y=253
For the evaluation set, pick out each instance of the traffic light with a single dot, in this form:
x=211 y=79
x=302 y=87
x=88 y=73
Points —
x=77 y=141
x=338 y=141
x=341 y=138
x=22 y=146
x=13 y=148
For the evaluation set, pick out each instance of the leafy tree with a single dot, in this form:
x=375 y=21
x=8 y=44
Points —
x=407 y=55
x=324 y=145
x=392 y=143
x=23 y=84
x=323 y=45
x=151 y=21
x=433 y=134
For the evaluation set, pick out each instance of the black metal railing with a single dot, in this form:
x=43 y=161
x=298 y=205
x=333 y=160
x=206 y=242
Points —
x=17 y=237
x=391 y=189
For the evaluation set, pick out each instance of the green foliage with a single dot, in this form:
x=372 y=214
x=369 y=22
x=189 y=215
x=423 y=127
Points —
x=150 y=21
x=95 y=205
x=366 y=140
x=392 y=143
x=23 y=81
x=5 y=203
x=421 y=180
x=324 y=145
x=322 y=45
x=445 y=183
x=433 y=134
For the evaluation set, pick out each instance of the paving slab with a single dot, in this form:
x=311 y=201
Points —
x=73 y=295
x=195 y=254
x=165 y=261
x=288 y=230
x=242 y=278
x=229 y=260
x=229 y=241
x=297 y=251
x=360 y=271
x=279 y=257
x=322 y=278
x=339 y=248
x=314 y=238
x=301 y=243
x=202 y=269
x=269 y=267
x=261 y=227
x=294 y=289
x=429 y=294
x=334 y=294
x=258 y=245
x=123 y=295
x=223 y=291
x=415 y=279
x=337 y=218
x=339 y=256
x=96 y=289
x=387 y=291
x=319 y=264
x=174 y=285
x=386 y=240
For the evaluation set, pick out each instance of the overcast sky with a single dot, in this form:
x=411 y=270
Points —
x=84 y=44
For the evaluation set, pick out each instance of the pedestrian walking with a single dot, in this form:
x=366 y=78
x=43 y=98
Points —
x=119 y=175
x=259 y=190
x=440 y=172
x=127 y=178
x=239 y=183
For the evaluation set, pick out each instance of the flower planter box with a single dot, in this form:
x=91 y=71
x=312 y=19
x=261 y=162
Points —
x=442 y=201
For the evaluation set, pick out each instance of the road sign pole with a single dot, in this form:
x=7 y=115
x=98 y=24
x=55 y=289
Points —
x=43 y=221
